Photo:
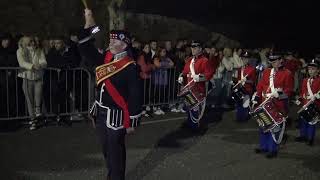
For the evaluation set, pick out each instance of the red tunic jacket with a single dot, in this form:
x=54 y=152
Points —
x=315 y=87
x=283 y=79
x=292 y=65
x=251 y=78
x=201 y=66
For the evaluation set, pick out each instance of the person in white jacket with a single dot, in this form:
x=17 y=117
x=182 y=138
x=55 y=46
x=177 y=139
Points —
x=32 y=62
x=228 y=63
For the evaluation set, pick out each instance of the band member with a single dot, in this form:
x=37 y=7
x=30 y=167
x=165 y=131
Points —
x=244 y=88
x=309 y=95
x=197 y=71
x=119 y=101
x=276 y=84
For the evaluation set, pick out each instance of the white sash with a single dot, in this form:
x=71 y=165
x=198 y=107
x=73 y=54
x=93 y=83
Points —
x=193 y=73
x=242 y=72
x=310 y=93
x=271 y=84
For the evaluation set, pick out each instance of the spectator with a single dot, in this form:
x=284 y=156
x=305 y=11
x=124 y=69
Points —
x=162 y=63
x=237 y=61
x=64 y=58
x=32 y=61
x=146 y=66
x=170 y=50
x=136 y=49
x=154 y=47
x=8 y=58
x=227 y=61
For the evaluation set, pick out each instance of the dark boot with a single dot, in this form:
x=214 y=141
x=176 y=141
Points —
x=310 y=142
x=271 y=155
x=259 y=151
x=300 y=139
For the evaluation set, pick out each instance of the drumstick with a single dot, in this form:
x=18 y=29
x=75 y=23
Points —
x=261 y=103
x=239 y=81
x=84 y=2
x=306 y=105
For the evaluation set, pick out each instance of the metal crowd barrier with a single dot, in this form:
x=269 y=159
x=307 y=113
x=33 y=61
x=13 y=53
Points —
x=65 y=92
x=68 y=92
x=161 y=88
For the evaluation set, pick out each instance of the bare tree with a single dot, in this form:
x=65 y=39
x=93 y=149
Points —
x=116 y=14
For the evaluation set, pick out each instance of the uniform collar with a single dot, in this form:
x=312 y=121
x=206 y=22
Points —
x=198 y=55
x=120 y=55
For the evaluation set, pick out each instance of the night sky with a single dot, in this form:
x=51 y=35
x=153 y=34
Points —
x=252 y=22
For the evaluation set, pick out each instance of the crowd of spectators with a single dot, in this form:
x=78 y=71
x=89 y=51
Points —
x=160 y=64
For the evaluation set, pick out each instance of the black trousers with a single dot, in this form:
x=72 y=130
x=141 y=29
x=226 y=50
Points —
x=113 y=147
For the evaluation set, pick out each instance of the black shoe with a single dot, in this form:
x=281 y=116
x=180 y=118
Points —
x=33 y=126
x=310 y=142
x=270 y=155
x=300 y=139
x=67 y=121
x=285 y=138
x=259 y=151
x=185 y=125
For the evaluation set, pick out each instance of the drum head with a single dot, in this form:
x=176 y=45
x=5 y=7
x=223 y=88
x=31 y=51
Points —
x=246 y=101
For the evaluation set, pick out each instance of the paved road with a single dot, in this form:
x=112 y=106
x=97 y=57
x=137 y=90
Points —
x=160 y=149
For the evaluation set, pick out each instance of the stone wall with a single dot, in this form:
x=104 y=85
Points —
x=58 y=17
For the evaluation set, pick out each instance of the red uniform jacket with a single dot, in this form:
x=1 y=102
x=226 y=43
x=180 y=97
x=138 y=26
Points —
x=251 y=78
x=201 y=66
x=315 y=87
x=214 y=61
x=292 y=65
x=283 y=79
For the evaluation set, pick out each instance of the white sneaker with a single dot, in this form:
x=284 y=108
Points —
x=182 y=111
x=157 y=112
x=148 y=108
x=33 y=126
x=174 y=110
x=162 y=112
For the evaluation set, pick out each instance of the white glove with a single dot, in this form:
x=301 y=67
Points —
x=243 y=80
x=274 y=94
x=196 y=78
x=297 y=102
x=254 y=98
x=254 y=102
x=180 y=80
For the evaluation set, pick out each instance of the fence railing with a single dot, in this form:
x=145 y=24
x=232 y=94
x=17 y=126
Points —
x=67 y=92
x=64 y=92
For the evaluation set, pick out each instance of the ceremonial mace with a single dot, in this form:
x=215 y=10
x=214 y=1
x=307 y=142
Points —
x=94 y=30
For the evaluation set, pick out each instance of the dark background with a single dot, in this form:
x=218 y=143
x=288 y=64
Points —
x=254 y=23
x=290 y=24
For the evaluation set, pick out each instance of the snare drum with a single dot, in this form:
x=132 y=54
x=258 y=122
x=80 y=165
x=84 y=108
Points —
x=268 y=116
x=311 y=113
x=192 y=95
x=241 y=96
